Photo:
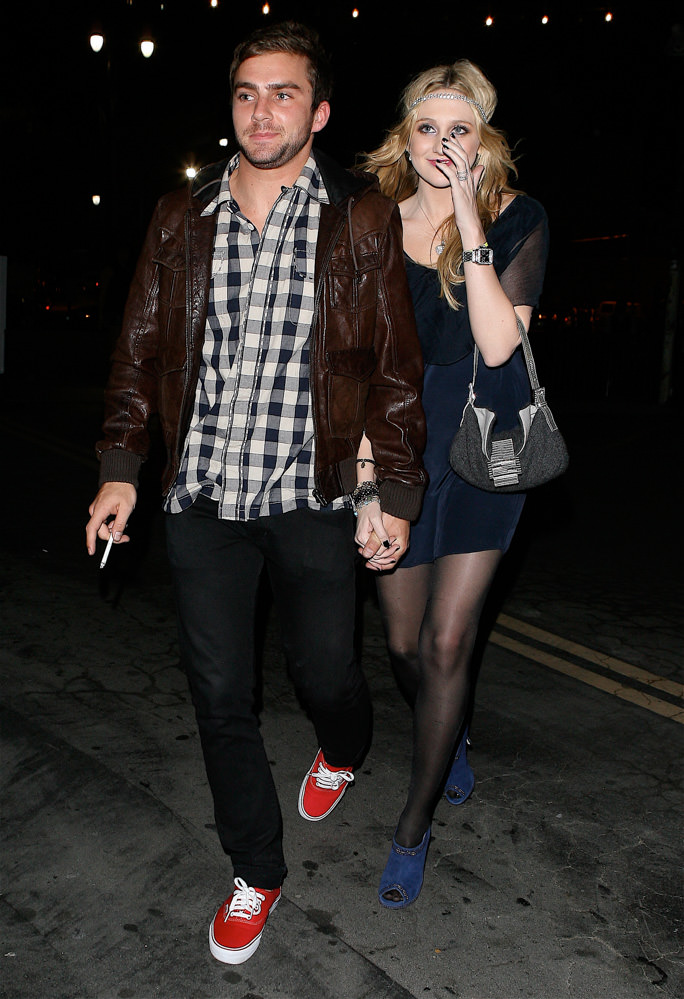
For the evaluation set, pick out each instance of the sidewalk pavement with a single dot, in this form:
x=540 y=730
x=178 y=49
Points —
x=560 y=877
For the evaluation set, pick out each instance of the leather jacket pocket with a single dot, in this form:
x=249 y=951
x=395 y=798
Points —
x=171 y=303
x=354 y=289
x=350 y=372
x=170 y=259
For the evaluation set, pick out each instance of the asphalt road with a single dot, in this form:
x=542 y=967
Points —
x=561 y=876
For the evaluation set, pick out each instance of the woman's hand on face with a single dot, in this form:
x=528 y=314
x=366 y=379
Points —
x=463 y=180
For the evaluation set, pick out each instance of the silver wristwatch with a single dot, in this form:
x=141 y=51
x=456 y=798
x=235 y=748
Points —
x=480 y=255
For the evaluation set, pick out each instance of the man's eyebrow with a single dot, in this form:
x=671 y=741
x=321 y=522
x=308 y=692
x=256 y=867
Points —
x=283 y=86
x=246 y=85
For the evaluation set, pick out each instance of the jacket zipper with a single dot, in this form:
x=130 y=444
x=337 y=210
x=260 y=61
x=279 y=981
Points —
x=188 y=343
x=317 y=493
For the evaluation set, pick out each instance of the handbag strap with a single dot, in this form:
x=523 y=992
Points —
x=539 y=392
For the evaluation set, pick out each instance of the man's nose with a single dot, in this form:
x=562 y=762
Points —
x=261 y=109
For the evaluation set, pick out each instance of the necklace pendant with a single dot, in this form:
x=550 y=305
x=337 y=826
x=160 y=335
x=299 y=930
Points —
x=439 y=248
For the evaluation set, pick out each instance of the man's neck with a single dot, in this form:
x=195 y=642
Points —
x=257 y=189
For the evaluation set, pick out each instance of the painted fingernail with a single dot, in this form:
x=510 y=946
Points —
x=386 y=544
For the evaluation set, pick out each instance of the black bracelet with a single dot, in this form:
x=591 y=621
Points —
x=362 y=462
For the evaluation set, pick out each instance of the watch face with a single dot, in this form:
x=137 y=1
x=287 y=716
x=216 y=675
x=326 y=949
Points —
x=480 y=255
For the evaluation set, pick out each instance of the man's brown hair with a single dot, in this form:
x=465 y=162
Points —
x=295 y=39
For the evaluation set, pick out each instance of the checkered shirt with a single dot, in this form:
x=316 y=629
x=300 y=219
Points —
x=251 y=440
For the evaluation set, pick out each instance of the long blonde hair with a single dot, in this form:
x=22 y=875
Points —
x=399 y=180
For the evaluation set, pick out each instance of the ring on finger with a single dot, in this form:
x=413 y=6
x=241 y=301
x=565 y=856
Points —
x=461 y=176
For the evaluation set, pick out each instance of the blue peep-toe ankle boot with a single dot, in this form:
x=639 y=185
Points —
x=461 y=779
x=404 y=873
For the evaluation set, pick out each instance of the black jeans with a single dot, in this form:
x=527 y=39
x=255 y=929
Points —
x=309 y=557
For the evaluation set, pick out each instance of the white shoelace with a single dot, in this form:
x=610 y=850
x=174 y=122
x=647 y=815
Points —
x=245 y=903
x=330 y=780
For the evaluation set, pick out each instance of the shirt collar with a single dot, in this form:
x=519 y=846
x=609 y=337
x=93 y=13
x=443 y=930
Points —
x=309 y=181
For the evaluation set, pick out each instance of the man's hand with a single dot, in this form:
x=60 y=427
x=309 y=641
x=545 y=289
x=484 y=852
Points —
x=398 y=531
x=372 y=538
x=117 y=500
x=382 y=539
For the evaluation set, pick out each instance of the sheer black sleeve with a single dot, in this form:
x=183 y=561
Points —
x=523 y=276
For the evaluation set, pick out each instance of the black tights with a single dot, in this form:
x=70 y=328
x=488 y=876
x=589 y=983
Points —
x=431 y=615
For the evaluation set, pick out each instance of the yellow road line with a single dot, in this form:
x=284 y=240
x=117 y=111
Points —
x=639 y=697
x=590 y=655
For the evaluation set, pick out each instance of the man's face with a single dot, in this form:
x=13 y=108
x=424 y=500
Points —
x=272 y=114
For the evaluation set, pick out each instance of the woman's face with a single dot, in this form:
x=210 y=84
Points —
x=440 y=118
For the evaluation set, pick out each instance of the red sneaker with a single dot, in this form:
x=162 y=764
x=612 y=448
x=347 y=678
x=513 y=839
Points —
x=322 y=789
x=236 y=931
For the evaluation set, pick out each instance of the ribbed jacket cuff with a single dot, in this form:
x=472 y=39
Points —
x=117 y=465
x=399 y=500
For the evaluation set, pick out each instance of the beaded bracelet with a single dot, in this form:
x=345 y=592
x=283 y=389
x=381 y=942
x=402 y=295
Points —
x=365 y=493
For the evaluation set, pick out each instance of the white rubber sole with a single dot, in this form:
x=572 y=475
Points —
x=236 y=955
x=316 y=818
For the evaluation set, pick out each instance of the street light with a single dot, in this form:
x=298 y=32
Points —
x=96 y=41
x=147 y=47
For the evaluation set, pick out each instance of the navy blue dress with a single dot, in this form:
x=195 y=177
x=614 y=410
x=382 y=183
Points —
x=457 y=517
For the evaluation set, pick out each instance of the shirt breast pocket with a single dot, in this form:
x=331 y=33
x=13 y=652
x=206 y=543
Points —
x=299 y=308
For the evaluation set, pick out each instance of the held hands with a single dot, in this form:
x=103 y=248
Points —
x=117 y=500
x=382 y=539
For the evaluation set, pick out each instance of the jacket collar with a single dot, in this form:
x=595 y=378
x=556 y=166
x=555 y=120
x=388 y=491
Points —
x=340 y=184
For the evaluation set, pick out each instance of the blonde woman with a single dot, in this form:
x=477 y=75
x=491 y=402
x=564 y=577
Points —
x=475 y=256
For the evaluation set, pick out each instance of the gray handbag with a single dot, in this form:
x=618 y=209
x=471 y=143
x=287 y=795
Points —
x=510 y=461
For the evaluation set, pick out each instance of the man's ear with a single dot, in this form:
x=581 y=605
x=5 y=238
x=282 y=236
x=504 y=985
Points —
x=320 y=118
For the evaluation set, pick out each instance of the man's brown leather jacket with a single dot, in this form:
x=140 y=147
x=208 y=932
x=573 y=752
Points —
x=366 y=365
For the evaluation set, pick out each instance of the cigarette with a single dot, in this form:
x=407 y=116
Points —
x=107 y=551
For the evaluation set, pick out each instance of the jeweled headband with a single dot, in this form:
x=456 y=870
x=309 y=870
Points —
x=451 y=96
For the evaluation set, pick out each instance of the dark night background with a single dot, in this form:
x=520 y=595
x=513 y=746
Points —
x=592 y=108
